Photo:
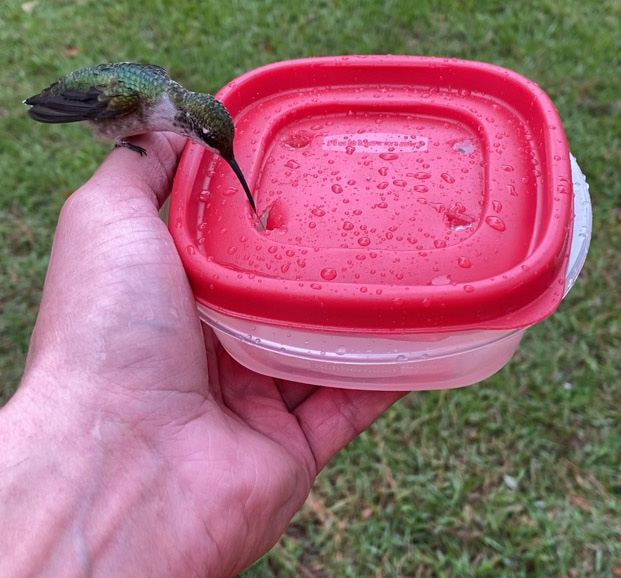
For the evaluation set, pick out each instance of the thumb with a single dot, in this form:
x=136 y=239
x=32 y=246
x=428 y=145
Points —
x=151 y=174
x=112 y=258
x=109 y=217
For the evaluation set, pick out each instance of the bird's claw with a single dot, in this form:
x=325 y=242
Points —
x=122 y=143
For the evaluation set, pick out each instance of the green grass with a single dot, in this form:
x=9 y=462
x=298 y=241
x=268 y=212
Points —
x=517 y=476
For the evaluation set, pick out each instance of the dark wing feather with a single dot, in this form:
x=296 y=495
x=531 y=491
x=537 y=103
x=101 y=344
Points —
x=69 y=105
x=92 y=101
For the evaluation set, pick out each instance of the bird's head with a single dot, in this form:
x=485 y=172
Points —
x=209 y=123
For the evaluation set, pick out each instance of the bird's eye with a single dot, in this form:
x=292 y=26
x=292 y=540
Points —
x=209 y=139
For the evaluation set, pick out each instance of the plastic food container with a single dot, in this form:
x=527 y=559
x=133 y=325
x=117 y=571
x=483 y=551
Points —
x=420 y=213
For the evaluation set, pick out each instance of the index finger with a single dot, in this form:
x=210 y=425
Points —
x=331 y=418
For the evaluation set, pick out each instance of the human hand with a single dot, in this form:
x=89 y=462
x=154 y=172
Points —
x=135 y=445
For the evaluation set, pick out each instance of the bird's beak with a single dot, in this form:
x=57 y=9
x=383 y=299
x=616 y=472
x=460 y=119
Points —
x=233 y=163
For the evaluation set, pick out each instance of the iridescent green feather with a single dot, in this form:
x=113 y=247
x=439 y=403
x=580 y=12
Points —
x=124 y=86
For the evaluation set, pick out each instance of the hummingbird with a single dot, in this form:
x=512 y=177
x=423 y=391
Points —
x=124 y=99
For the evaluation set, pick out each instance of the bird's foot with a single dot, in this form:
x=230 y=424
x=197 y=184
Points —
x=123 y=143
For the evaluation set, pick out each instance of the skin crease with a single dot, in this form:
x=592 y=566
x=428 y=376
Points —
x=135 y=445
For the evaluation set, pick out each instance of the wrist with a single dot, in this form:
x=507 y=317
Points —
x=95 y=501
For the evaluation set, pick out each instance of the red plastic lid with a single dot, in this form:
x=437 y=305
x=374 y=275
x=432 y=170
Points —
x=404 y=193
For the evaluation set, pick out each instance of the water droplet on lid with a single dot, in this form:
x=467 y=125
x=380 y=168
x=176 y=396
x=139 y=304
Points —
x=496 y=223
x=382 y=185
x=441 y=280
x=497 y=206
x=191 y=249
x=447 y=178
x=439 y=243
x=389 y=156
x=350 y=150
x=382 y=205
x=383 y=171
x=422 y=176
x=399 y=183
x=315 y=286
x=318 y=212
x=337 y=189
x=464 y=262
x=364 y=241
x=507 y=168
x=347 y=226
x=468 y=288
x=291 y=164
x=341 y=350
x=420 y=188
x=328 y=273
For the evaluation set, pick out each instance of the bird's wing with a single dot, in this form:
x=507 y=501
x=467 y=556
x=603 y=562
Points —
x=60 y=103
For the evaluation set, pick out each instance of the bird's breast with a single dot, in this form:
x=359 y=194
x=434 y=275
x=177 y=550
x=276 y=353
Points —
x=129 y=125
x=157 y=116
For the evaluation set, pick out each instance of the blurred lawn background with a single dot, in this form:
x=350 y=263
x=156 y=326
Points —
x=517 y=476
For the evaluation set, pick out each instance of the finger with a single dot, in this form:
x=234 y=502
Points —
x=114 y=270
x=111 y=224
x=106 y=212
x=331 y=417
x=294 y=393
x=212 y=349
x=255 y=399
x=151 y=174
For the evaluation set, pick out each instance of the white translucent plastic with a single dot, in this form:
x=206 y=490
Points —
x=438 y=360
